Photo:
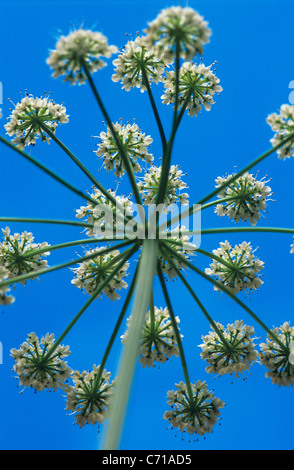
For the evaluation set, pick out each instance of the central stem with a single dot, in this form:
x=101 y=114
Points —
x=146 y=273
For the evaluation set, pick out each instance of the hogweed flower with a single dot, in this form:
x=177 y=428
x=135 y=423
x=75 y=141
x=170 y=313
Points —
x=236 y=268
x=4 y=298
x=248 y=198
x=231 y=354
x=196 y=87
x=197 y=414
x=18 y=254
x=283 y=125
x=89 y=398
x=103 y=215
x=90 y=274
x=78 y=48
x=36 y=368
x=182 y=245
x=278 y=360
x=177 y=25
x=136 y=64
x=292 y=248
x=149 y=186
x=134 y=142
x=157 y=342
x=28 y=116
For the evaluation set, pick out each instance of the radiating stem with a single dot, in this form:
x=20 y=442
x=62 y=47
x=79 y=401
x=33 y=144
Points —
x=45 y=221
x=115 y=331
x=46 y=170
x=126 y=370
x=212 y=231
x=124 y=156
x=24 y=277
x=206 y=314
x=223 y=288
x=88 y=303
x=177 y=334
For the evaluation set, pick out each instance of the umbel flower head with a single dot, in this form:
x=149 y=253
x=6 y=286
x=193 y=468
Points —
x=28 y=116
x=236 y=268
x=234 y=353
x=249 y=197
x=90 y=395
x=135 y=64
x=37 y=368
x=197 y=414
x=149 y=186
x=92 y=273
x=292 y=248
x=279 y=361
x=103 y=216
x=19 y=254
x=197 y=87
x=134 y=142
x=182 y=245
x=80 y=47
x=178 y=25
x=283 y=125
x=4 y=298
x=157 y=343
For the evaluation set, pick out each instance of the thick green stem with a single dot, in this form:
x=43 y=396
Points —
x=223 y=288
x=212 y=231
x=177 y=334
x=146 y=273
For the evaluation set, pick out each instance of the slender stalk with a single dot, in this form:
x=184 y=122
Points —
x=104 y=191
x=88 y=303
x=223 y=288
x=67 y=245
x=45 y=221
x=24 y=277
x=115 y=331
x=124 y=156
x=46 y=170
x=246 y=168
x=206 y=314
x=155 y=110
x=212 y=231
x=177 y=334
x=126 y=370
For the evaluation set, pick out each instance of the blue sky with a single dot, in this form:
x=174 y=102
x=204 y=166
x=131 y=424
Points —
x=252 y=43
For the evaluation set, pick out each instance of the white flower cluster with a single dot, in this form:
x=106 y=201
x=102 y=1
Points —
x=149 y=186
x=157 y=341
x=249 y=197
x=18 y=254
x=197 y=87
x=27 y=117
x=279 y=361
x=177 y=25
x=182 y=246
x=87 y=399
x=283 y=125
x=79 y=47
x=36 y=368
x=292 y=248
x=4 y=298
x=93 y=272
x=198 y=416
x=235 y=354
x=135 y=64
x=237 y=268
x=134 y=142
x=104 y=216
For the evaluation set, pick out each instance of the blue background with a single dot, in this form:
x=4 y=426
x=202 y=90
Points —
x=253 y=44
